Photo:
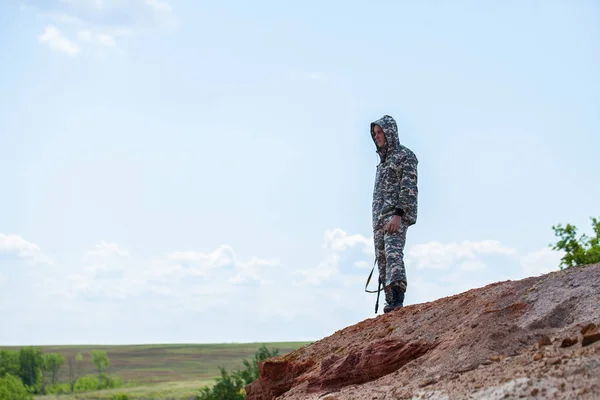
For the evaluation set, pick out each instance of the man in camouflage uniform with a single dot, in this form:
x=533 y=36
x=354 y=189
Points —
x=394 y=208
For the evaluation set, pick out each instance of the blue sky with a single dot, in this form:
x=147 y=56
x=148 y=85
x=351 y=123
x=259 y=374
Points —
x=179 y=171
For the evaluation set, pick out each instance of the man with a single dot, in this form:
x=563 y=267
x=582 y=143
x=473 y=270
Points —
x=394 y=208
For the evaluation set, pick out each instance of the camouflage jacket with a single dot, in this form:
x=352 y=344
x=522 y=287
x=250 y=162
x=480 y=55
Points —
x=395 y=190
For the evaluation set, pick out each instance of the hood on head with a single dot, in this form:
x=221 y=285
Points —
x=390 y=130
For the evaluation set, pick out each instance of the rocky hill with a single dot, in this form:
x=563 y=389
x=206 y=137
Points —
x=532 y=338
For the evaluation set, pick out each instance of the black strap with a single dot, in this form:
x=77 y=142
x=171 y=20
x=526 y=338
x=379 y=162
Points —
x=369 y=280
x=378 y=291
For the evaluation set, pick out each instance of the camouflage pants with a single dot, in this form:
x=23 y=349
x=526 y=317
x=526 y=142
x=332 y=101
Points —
x=389 y=252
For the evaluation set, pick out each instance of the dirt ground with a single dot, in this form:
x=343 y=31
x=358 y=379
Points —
x=533 y=338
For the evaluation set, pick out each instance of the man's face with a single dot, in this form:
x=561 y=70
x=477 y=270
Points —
x=379 y=136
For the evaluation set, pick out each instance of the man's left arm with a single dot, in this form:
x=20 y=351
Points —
x=408 y=196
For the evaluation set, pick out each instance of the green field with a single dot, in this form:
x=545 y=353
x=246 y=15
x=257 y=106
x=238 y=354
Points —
x=163 y=391
x=165 y=371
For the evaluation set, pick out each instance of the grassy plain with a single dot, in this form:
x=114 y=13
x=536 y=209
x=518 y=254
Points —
x=154 y=391
x=162 y=371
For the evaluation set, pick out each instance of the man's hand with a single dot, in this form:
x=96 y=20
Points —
x=394 y=224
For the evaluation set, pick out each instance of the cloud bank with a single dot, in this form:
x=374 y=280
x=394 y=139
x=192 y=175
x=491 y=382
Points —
x=172 y=297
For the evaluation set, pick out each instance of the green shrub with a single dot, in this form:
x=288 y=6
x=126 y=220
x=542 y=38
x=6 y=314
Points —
x=58 y=388
x=86 y=383
x=582 y=251
x=131 y=383
x=120 y=396
x=109 y=382
x=231 y=386
x=12 y=388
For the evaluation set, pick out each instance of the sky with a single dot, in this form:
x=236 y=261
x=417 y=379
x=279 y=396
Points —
x=200 y=172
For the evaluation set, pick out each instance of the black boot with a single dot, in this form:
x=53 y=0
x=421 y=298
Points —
x=398 y=298
x=389 y=300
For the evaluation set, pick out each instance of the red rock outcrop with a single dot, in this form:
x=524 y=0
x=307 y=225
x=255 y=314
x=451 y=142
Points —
x=536 y=337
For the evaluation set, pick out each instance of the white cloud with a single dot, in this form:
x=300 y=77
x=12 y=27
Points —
x=162 y=10
x=338 y=240
x=325 y=270
x=363 y=264
x=160 y=6
x=221 y=256
x=54 y=38
x=472 y=265
x=541 y=262
x=61 y=17
x=105 y=249
x=97 y=24
x=435 y=255
x=88 y=3
x=15 y=244
x=99 y=39
x=256 y=269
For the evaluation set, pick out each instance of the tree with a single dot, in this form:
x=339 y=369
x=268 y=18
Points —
x=51 y=364
x=30 y=360
x=100 y=360
x=578 y=252
x=74 y=366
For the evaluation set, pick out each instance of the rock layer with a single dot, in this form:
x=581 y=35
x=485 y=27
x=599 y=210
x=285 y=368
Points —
x=536 y=337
